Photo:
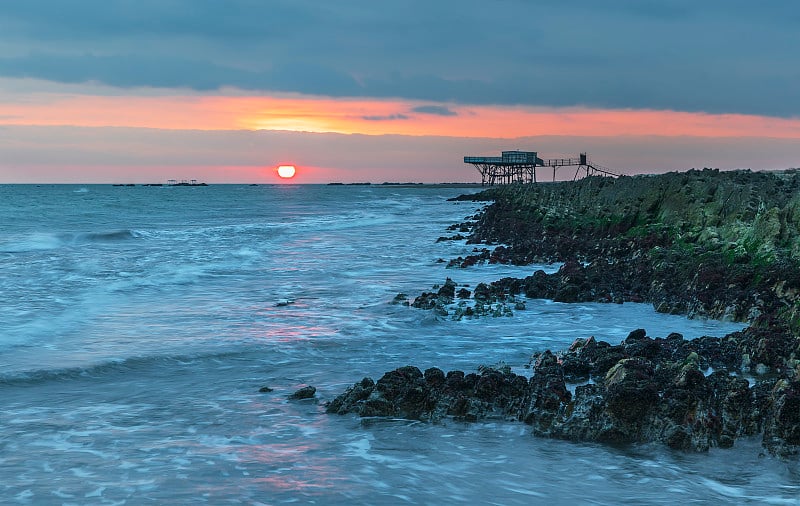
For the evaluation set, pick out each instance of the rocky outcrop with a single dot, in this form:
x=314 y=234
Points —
x=689 y=395
x=408 y=393
x=701 y=243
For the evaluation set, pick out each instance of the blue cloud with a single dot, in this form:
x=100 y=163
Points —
x=438 y=110
x=385 y=118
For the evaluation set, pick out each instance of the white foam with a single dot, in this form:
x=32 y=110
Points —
x=98 y=492
x=35 y=241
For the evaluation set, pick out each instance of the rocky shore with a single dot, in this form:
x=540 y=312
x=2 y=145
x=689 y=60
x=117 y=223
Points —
x=700 y=243
x=672 y=391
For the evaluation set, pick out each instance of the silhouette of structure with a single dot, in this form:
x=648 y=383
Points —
x=520 y=167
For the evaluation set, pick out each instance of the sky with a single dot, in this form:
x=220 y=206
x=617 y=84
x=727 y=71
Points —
x=142 y=91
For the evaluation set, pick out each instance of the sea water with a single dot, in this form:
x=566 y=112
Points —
x=137 y=325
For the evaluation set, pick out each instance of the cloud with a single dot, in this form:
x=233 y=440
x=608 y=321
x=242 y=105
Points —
x=136 y=70
x=389 y=117
x=717 y=56
x=438 y=110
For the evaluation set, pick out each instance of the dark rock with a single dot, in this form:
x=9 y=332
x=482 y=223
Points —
x=265 y=389
x=644 y=390
x=705 y=243
x=548 y=392
x=482 y=292
x=448 y=290
x=401 y=299
x=304 y=393
x=631 y=389
x=636 y=335
x=407 y=393
x=782 y=428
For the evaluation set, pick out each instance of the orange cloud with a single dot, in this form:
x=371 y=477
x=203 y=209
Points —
x=376 y=117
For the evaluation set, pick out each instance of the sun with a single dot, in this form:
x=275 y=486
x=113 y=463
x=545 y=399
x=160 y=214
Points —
x=286 y=171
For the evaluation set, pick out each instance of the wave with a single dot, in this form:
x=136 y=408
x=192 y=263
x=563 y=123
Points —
x=110 y=367
x=42 y=241
x=31 y=242
x=117 y=235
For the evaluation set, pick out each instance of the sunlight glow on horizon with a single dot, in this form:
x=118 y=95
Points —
x=91 y=133
x=374 y=117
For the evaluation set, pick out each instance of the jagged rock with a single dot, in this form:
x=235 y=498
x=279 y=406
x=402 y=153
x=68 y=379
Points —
x=407 y=393
x=448 y=290
x=782 y=428
x=644 y=390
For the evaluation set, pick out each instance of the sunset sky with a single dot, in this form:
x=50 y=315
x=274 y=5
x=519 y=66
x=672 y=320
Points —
x=140 y=91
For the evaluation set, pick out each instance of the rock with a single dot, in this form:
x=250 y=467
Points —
x=718 y=244
x=631 y=390
x=548 y=392
x=448 y=290
x=636 y=335
x=265 y=389
x=400 y=299
x=782 y=428
x=407 y=393
x=353 y=397
x=644 y=390
x=304 y=393
x=702 y=243
x=482 y=292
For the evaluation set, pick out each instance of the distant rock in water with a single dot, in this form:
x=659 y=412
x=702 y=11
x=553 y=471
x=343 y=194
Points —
x=642 y=390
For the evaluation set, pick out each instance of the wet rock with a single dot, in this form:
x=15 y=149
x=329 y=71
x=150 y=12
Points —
x=482 y=292
x=448 y=290
x=408 y=393
x=304 y=393
x=457 y=237
x=643 y=390
x=265 y=389
x=631 y=390
x=400 y=299
x=701 y=243
x=782 y=430
x=548 y=392
x=352 y=399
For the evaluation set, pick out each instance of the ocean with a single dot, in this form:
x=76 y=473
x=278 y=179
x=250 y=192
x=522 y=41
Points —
x=138 y=325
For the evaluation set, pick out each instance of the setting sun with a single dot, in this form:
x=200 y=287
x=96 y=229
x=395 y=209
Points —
x=286 y=171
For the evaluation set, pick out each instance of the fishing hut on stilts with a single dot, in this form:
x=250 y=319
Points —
x=520 y=167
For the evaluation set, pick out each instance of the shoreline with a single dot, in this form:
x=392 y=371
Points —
x=701 y=244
